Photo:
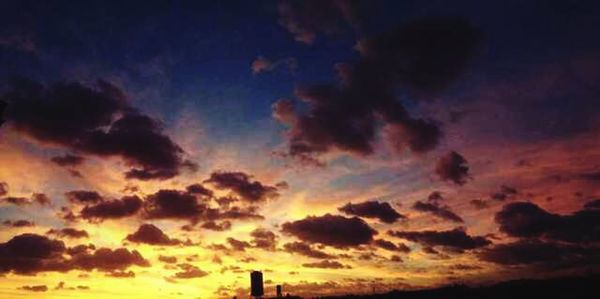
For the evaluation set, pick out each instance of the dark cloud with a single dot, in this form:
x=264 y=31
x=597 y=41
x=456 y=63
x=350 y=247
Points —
x=121 y=274
x=189 y=271
x=104 y=125
x=3 y=189
x=68 y=160
x=242 y=185
x=526 y=220
x=82 y=248
x=306 y=250
x=106 y=259
x=84 y=196
x=534 y=252
x=326 y=264
x=167 y=259
x=332 y=230
x=112 y=209
x=38 y=198
x=504 y=193
x=453 y=167
x=36 y=288
x=424 y=55
x=264 y=239
x=479 y=204
x=593 y=204
x=225 y=201
x=185 y=205
x=212 y=225
x=41 y=199
x=396 y=259
x=437 y=210
x=68 y=232
x=456 y=239
x=30 y=254
x=172 y=204
x=591 y=176
x=305 y=19
x=435 y=197
x=372 y=209
x=198 y=189
x=238 y=245
x=17 y=201
x=387 y=245
x=18 y=223
x=150 y=234
x=249 y=213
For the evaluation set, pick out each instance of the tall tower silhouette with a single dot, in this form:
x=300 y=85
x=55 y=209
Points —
x=256 y=283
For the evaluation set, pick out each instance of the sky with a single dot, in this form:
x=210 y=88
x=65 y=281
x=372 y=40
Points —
x=169 y=148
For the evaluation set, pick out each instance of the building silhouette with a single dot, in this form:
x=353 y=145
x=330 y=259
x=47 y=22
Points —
x=256 y=284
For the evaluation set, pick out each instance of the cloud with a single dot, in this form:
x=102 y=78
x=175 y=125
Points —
x=152 y=235
x=106 y=259
x=41 y=199
x=238 y=245
x=104 y=125
x=68 y=160
x=437 y=210
x=387 y=245
x=185 y=205
x=84 y=196
x=126 y=206
x=242 y=185
x=3 y=189
x=533 y=252
x=172 y=204
x=35 y=288
x=504 y=193
x=18 y=223
x=198 y=189
x=332 y=230
x=527 y=220
x=222 y=226
x=189 y=271
x=38 y=198
x=248 y=213
x=326 y=264
x=425 y=55
x=264 y=239
x=17 y=201
x=593 y=204
x=306 y=250
x=453 y=167
x=121 y=274
x=68 y=232
x=31 y=254
x=167 y=259
x=306 y=19
x=456 y=239
x=261 y=64
x=479 y=204
x=373 y=209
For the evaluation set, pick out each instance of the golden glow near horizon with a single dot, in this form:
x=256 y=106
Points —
x=228 y=270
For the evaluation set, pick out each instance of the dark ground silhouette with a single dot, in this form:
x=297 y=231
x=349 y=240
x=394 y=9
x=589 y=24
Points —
x=564 y=288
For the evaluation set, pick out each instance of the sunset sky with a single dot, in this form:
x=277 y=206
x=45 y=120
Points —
x=167 y=148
